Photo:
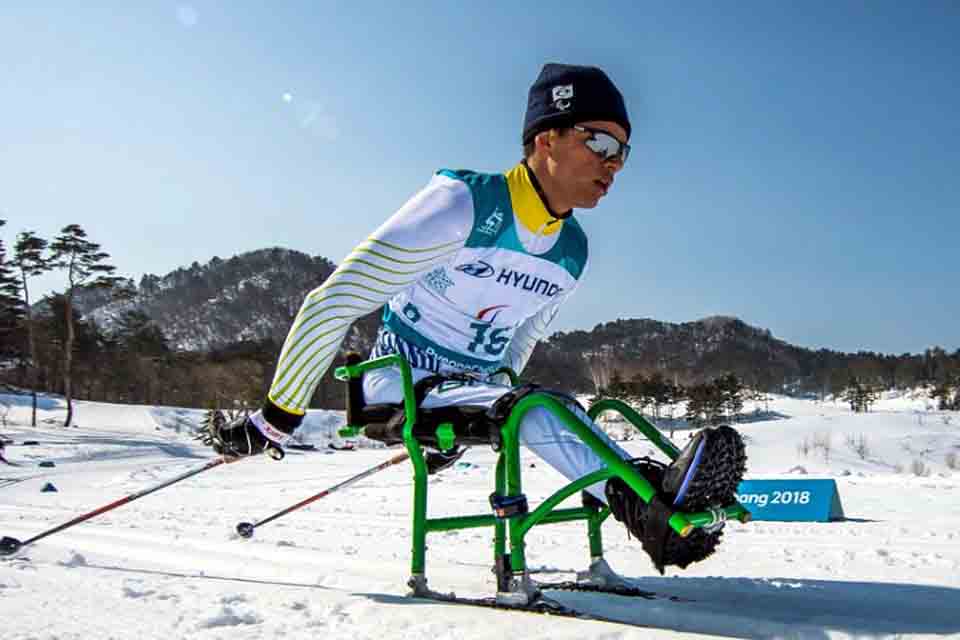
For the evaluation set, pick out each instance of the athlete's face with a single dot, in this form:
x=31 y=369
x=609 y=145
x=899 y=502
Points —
x=581 y=174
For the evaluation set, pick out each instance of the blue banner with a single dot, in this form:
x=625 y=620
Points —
x=791 y=500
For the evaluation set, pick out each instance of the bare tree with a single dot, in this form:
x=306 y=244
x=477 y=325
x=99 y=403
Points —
x=84 y=263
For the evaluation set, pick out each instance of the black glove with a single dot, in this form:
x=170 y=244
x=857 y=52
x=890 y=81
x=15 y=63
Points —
x=439 y=460
x=245 y=436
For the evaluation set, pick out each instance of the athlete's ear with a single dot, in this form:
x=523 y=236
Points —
x=548 y=139
x=544 y=140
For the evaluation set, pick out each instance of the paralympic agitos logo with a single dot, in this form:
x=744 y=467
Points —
x=511 y=278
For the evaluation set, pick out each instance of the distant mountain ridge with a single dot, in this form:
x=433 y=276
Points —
x=249 y=297
x=254 y=296
x=689 y=352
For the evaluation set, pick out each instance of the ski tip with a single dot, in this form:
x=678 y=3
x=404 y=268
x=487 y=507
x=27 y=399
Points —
x=245 y=529
x=9 y=546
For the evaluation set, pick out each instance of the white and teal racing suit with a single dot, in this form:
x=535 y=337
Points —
x=472 y=270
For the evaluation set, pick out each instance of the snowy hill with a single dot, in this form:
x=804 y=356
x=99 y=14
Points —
x=169 y=565
x=251 y=296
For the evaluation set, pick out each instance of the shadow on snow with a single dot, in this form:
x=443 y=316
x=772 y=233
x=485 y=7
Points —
x=768 y=608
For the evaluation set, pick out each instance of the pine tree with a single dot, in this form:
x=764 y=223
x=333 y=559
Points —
x=947 y=394
x=852 y=394
x=859 y=396
x=29 y=260
x=11 y=307
x=618 y=388
x=704 y=404
x=662 y=392
x=84 y=263
x=138 y=334
x=731 y=391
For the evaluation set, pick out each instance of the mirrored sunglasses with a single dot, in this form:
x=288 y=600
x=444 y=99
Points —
x=603 y=144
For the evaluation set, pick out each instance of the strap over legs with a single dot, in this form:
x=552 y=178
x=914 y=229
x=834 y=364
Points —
x=472 y=424
x=433 y=426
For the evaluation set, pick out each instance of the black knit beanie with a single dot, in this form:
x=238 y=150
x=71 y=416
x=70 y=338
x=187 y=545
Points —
x=565 y=94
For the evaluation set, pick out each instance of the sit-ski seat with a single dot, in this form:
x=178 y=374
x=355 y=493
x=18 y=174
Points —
x=445 y=428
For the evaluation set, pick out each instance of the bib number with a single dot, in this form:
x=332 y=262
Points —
x=493 y=342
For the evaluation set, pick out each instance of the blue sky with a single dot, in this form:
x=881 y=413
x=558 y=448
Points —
x=794 y=164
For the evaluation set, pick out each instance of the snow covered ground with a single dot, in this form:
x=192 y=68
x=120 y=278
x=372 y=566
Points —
x=170 y=566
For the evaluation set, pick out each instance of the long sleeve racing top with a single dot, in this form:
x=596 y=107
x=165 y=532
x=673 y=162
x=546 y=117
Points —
x=471 y=270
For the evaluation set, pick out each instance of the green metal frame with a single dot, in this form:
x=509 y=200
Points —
x=508 y=481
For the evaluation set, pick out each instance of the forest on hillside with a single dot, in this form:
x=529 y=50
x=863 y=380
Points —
x=68 y=344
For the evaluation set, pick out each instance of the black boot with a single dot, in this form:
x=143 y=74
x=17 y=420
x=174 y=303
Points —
x=706 y=474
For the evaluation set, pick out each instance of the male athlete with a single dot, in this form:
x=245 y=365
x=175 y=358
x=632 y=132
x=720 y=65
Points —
x=472 y=270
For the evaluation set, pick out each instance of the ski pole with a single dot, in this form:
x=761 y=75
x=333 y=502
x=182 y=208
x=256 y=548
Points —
x=10 y=545
x=245 y=529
